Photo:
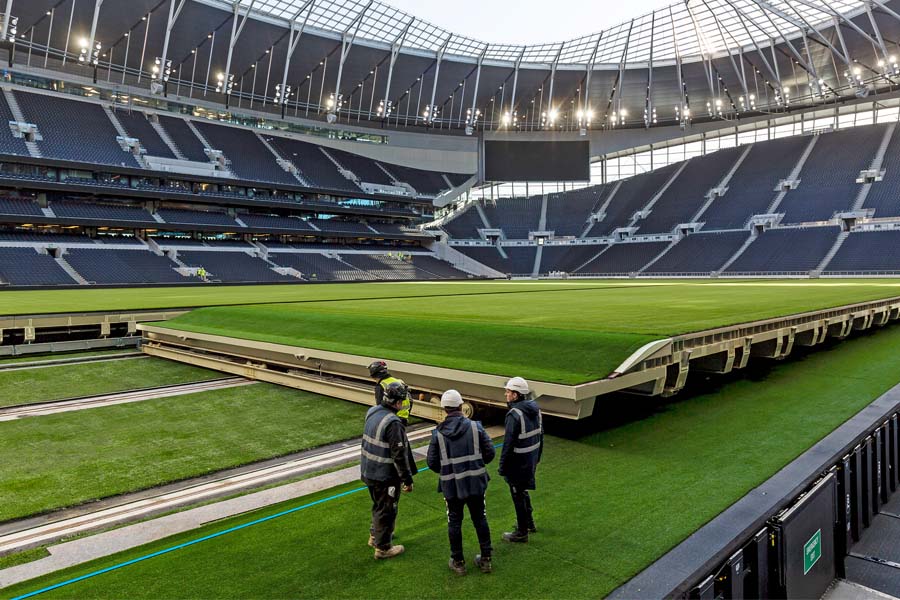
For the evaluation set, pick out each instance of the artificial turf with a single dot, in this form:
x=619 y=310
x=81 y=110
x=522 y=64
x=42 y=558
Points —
x=61 y=460
x=551 y=332
x=41 y=384
x=609 y=501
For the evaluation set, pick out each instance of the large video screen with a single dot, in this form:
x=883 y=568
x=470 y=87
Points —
x=537 y=161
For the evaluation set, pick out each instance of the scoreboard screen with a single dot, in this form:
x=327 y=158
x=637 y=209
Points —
x=537 y=161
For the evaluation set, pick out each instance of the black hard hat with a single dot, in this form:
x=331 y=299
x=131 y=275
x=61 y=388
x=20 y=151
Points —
x=395 y=391
x=378 y=369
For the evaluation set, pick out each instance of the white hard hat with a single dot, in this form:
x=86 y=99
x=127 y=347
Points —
x=517 y=384
x=451 y=399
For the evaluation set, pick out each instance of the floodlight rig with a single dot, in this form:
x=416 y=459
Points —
x=282 y=96
x=160 y=72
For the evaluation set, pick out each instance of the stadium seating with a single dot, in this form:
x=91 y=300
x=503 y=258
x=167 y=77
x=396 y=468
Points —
x=465 y=225
x=335 y=225
x=273 y=222
x=184 y=139
x=828 y=179
x=386 y=267
x=426 y=183
x=250 y=159
x=39 y=237
x=19 y=206
x=515 y=216
x=567 y=258
x=123 y=266
x=700 y=253
x=196 y=217
x=74 y=209
x=796 y=250
x=752 y=188
x=568 y=213
x=437 y=267
x=24 y=266
x=318 y=267
x=621 y=259
x=632 y=196
x=683 y=199
x=884 y=196
x=365 y=169
x=519 y=261
x=232 y=267
x=89 y=138
x=8 y=143
x=868 y=252
x=316 y=168
x=137 y=126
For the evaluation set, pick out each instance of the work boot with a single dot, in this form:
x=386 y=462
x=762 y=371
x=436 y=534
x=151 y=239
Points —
x=457 y=566
x=371 y=541
x=530 y=529
x=483 y=563
x=516 y=537
x=389 y=553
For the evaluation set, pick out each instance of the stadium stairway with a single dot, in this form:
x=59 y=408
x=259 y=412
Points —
x=795 y=174
x=659 y=194
x=601 y=212
x=737 y=254
x=164 y=136
x=19 y=116
x=834 y=250
x=65 y=266
x=720 y=189
x=282 y=162
x=875 y=165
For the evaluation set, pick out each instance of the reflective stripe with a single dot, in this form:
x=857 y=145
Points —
x=531 y=448
x=376 y=458
x=445 y=459
x=380 y=429
x=472 y=473
x=375 y=442
x=524 y=435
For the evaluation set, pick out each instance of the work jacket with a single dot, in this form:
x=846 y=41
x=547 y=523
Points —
x=458 y=451
x=385 y=448
x=523 y=443
x=381 y=388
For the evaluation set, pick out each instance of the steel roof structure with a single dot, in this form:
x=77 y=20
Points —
x=364 y=61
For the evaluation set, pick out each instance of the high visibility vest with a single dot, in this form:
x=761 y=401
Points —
x=376 y=463
x=403 y=413
x=463 y=473
x=529 y=438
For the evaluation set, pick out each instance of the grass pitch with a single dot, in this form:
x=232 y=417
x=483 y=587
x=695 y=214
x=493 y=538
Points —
x=558 y=332
x=608 y=503
x=62 y=460
x=59 y=382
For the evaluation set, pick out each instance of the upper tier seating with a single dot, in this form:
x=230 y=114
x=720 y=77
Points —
x=621 y=259
x=828 y=179
x=316 y=168
x=137 y=126
x=568 y=213
x=76 y=209
x=389 y=228
x=364 y=168
x=515 y=216
x=8 y=143
x=700 y=253
x=318 y=267
x=184 y=139
x=868 y=252
x=274 y=222
x=683 y=199
x=196 y=217
x=44 y=238
x=337 y=226
x=123 y=266
x=786 y=250
x=24 y=266
x=250 y=159
x=884 y=196
x=567 y=258
x=20 y=206
x=232 y=267
x=89 y=138
x=752 y=188
x=465 y=225
x=426 y=183
x=632 y=196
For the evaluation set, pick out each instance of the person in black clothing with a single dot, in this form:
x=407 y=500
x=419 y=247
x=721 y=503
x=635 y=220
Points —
x=523 y=444
x=378 y=370
x=458 y=452
x=385 y=468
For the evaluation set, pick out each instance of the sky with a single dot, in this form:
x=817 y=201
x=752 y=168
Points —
x=526 y=21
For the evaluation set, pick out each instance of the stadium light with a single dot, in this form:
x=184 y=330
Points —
x=282 y=97
x=505 y=119
x=160 y=72
x=225 y=85
x=472 y=120
x=88 y=56
x=13 y=28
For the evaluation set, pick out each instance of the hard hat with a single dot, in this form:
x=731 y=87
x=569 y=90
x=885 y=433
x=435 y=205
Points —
x=378 y=368
x=517 y=384
x=451 y=399
x=395 y=391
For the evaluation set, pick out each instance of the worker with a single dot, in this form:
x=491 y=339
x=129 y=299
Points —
x=523 y=444
x=385 y=468
x=458 y=451
x=378 y=370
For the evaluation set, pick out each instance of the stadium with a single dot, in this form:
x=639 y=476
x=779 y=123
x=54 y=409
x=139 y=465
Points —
x=680 y=226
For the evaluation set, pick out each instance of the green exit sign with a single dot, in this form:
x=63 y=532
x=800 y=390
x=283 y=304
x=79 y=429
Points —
x=812 y=551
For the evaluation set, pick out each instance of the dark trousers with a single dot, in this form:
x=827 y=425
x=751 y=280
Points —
x=455 y=509
x=522 y=502
x=385 y=496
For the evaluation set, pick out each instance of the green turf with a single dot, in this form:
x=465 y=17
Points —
x=27 y=386
x=608 y=503
x=549 y=332
x=25 y=358
x=61 y=460
x=20 y=558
